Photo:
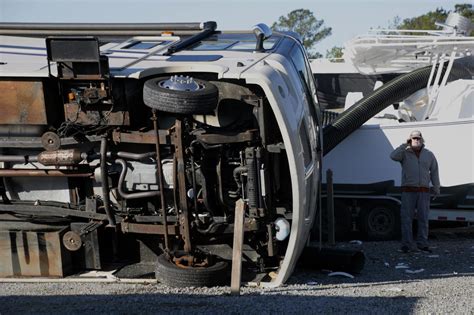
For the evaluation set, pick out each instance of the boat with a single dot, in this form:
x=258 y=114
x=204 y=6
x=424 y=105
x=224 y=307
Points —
x=366 y=180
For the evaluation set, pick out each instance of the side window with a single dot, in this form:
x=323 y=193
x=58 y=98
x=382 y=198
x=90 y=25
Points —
x=302 y=67
x=299 y=61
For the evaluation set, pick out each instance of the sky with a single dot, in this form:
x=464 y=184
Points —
x=347 y=18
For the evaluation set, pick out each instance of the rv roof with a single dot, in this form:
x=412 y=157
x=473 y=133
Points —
x=26 y=56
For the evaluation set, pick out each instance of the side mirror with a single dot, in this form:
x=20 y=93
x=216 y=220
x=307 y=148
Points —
x=262 y=32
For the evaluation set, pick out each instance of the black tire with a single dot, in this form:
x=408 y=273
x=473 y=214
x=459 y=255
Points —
x=168 y=273
x=381 y=221
x=202 y=101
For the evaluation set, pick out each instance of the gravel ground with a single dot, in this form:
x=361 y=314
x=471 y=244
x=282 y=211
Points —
x=444 y=284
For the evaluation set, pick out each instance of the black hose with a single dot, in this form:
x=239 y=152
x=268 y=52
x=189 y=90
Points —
x=105 y=182
x=131 y=195
x=135 y=156
x=390 y=93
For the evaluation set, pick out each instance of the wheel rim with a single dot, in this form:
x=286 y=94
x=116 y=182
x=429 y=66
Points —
x=190 y=262
x=181 y=83
x=381 y=221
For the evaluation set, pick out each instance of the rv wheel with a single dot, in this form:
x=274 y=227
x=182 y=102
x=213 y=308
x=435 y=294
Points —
x=178 y=271
x=180 y=95
x=381 y=221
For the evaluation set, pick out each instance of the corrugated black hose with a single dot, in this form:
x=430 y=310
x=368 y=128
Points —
x=392 y=92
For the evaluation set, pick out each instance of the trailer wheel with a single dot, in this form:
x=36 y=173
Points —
x=381 y=221
x=174 y=274
x=180 y=95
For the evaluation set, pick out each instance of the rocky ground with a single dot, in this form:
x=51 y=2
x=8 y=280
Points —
x=391 y=282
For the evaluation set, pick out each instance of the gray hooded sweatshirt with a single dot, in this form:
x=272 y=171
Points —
x=417 y=171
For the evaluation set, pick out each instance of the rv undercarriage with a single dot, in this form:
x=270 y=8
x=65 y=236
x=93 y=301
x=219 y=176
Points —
x=167 y=165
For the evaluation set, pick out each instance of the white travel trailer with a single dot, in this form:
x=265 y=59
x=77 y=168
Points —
x=148 y=143
x=367 y=181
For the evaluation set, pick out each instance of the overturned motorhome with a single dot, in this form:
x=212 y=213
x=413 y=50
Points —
x=140 y=143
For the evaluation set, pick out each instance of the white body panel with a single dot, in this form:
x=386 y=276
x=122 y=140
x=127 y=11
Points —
x=363 y=157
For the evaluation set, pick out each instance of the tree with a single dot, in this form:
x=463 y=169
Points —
x=427 y=21
x=335 y=52
x=465 y=10
x=304 y=23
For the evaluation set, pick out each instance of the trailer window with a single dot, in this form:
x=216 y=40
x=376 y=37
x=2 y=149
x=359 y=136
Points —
x=245 y=42
x=214 y=45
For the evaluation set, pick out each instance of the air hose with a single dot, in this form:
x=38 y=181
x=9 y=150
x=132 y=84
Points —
x=392 y=92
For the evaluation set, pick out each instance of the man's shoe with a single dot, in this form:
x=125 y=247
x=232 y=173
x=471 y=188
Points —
x=404 y=249
x=425 y=249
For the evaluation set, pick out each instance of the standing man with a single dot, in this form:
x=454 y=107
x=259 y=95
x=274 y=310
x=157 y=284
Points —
x=419 y=167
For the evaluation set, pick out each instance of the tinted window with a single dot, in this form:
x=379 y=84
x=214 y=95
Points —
x=234 y=42
x=304 y=70
x=142 y=45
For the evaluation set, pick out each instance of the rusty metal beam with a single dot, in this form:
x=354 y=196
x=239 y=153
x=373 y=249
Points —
x=159 y=178
x=138 y=228
x=249 y=135
x=183 y=201
x=46 y=210
x=141 y=137
x=43 y=173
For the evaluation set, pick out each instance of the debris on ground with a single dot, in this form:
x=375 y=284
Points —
x=342 y=274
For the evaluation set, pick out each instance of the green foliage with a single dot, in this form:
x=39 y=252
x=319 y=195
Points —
x=335 y=52
x=427 y=21
x=304 y=23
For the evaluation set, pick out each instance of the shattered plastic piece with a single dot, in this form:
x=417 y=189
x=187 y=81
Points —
x=386 y=264
x=340 y=273
x=455 y=273
x=401 y=266
x=355 y=242
x=414 y=271
x=394 y=289
x=273 y=275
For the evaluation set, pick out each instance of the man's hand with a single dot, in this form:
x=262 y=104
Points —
x=435 y=191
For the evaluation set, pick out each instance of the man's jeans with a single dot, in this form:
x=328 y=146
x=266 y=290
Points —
x=421 y=202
